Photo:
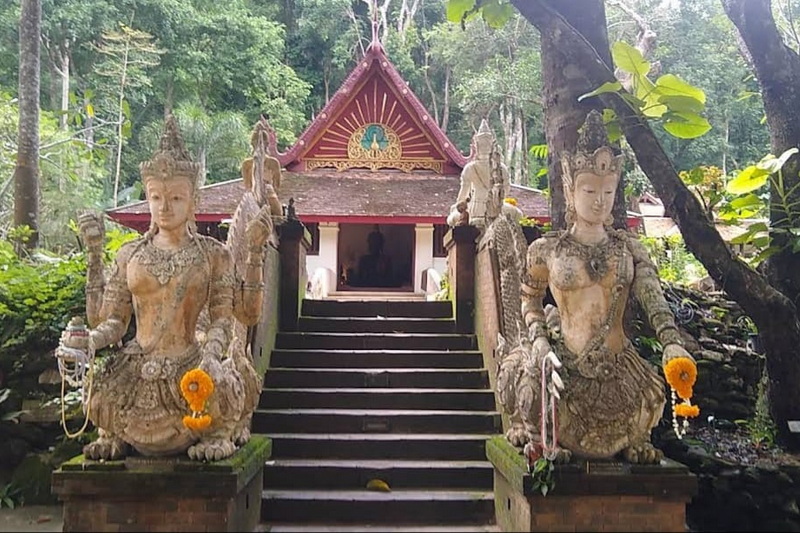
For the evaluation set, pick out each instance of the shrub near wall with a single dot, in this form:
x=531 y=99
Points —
x=37 y=299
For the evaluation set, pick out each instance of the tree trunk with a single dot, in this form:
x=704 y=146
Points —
x=326 y=81
x=201 y=159
x=120 y=122
x=777 y=68
x=774 y=314
x=563 y=115
x=431 y=91
x=726 y=140
x=63 y=71
x=406 y=18
x=446 y=102
x=54 y=85
x=89 y=130
x=26 y=173
x=520 y=148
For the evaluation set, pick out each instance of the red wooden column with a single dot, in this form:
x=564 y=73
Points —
x=294 y=243
x=460 y=243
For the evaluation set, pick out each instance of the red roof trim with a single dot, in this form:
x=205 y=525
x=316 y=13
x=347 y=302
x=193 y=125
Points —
x=348 y=219
x=357 y=77
x=138 y=219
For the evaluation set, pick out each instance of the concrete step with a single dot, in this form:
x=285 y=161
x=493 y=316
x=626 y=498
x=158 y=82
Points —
x=400 y=506
x=373 y=308
x=433 y=446
x=431 y=378
x=378 y=398
x=378 y=324
x=358 y=528
x=369 y=294
x=374 y=421
x=375 y=341
x=354 y=474
x=376 y=359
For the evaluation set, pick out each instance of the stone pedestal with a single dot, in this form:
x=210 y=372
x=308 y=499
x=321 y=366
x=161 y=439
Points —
x=460 y=243
x=590 y=495
x=164 y=494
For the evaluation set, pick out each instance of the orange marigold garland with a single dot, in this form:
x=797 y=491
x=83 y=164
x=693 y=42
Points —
x=681 y=374
x=510 y=200
x=196 y=387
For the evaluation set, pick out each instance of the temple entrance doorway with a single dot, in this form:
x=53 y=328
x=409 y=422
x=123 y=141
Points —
x=375 y=257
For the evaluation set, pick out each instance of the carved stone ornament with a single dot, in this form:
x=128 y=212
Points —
x=190 y=297
x=610 y=397
x=483 y=180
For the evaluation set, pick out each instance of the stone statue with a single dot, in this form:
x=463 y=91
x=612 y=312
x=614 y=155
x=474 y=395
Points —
x=476 y=181
x=459 y=216
x=609 y=398
x=267 y=167
x=141 y=396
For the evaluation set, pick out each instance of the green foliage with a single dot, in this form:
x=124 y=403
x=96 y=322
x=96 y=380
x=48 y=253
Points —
x=70 y=176
x=494 y=12
x=8 y=416
x=10 y=496
x=652 y=344
x=218 y=141
x=698 y=43
x=708 y=184
x=746 y=203
x=761 y=428
x=675 y=263
x=670 y=100
x=444 y=292
x=36 y=300
x=38 y=296
x=542 y=475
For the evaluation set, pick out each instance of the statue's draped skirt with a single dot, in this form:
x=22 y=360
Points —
x=137 y=397
x=611 y=401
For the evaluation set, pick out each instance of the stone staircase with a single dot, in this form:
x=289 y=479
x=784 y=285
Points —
x=377 y=390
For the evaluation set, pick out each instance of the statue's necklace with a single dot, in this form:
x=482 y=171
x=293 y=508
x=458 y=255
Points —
x=595 y=256
x=166 y=264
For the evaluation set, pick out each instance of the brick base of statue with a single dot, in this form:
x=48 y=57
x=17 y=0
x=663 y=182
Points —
x=590 y=495
x=164 y=494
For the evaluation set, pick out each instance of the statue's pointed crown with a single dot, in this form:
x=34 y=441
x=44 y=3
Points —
x=593 y=153
x=171 y=159
x=259 y=139
x=484 y=132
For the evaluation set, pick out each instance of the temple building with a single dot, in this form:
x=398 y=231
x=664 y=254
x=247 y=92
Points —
x=373 y=178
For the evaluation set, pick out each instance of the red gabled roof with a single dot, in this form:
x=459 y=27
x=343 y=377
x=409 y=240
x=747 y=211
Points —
x=327 y=195
x=374 y=93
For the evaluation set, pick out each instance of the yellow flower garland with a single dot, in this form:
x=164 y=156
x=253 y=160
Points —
x=510 y=200
x=681 y=374
x=196 y=387
x=687 y=411
x=197 y=423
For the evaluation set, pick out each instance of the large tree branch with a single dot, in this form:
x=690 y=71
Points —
x=645 y=42
x=563 y=116
x=774 y=314
x=777 y=68
x=759 y=299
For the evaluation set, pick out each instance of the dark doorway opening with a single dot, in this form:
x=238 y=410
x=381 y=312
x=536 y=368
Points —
x=376 y=257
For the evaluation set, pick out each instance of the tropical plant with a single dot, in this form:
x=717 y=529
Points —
x=748 y=202
x=10 y=496
x=675 y=263
x=670 y=100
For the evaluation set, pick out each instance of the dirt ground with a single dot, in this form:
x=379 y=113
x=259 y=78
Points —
x=31 y=518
